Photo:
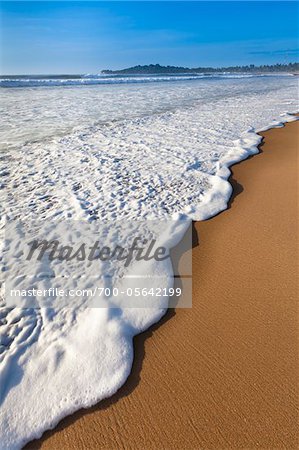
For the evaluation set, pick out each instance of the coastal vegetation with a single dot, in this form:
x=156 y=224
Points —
x=157 y=68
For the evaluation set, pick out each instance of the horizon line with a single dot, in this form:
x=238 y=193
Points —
x=146 y=65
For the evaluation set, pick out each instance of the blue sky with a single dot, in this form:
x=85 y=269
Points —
x=85 y=37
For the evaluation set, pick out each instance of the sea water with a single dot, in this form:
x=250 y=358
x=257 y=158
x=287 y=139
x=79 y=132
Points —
x=99 y=149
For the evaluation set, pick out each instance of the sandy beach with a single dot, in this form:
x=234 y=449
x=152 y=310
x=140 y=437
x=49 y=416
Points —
x=223 y=374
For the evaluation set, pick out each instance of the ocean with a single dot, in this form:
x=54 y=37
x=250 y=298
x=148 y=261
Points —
x=100 y=149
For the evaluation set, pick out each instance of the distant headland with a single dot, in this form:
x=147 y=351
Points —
x=157 y=68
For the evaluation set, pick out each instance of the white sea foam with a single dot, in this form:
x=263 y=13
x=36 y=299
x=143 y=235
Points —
x=141 y=151
x=85 y=80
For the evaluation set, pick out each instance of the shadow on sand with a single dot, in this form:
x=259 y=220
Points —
x=138 y=341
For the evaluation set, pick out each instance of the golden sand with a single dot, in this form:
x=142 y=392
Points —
x=223 y=375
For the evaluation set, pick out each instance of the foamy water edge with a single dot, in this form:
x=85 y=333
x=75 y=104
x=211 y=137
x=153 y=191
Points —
x=212 y=202
x=212 y=205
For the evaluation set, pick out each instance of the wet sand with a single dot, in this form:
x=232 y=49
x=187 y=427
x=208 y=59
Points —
x=224 y=374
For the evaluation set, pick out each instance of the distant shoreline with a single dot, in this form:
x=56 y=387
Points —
x=157 y=69
x=151 y=69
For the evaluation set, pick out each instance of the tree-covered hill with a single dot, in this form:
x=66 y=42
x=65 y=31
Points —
x=158 y=69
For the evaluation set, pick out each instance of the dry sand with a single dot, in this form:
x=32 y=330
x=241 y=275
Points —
x=223 y=375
